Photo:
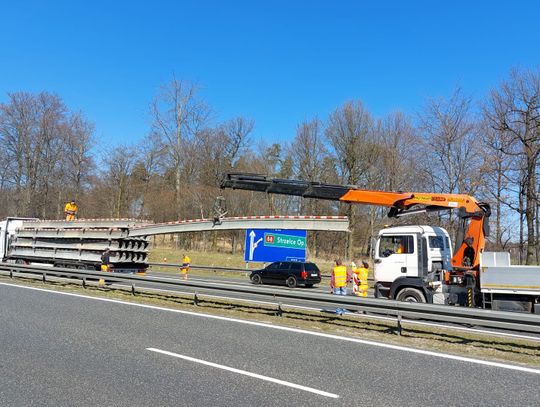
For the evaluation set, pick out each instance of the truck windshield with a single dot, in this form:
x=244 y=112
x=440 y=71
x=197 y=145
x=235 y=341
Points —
x=436 y=242
x=389 y=245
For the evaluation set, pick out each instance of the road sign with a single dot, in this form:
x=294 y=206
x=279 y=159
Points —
x=267 y=245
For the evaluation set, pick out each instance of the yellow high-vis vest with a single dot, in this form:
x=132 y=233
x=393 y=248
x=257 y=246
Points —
x=70 y=208
x=340 y=276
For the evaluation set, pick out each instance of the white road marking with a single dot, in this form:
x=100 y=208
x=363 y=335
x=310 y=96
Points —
x=296 y=330
x=246 y=373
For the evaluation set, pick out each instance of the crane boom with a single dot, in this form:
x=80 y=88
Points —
x=473 y=214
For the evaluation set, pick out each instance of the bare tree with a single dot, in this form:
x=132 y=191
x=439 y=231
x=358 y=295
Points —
x=118 y=170
x=351 y=136
x=449 y=133
x=222 y=147
x=399 y=145
x=513 y=110
x=177 y=115
x=500 y=172
x=307 y=152
x=39 y=138
x=80 y=141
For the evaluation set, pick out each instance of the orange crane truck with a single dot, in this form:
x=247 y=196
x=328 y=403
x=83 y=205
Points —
x=415 y=263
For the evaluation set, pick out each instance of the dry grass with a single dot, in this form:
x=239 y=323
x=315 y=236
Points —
x=436 y=339
x=214 y=258
x=163 y=254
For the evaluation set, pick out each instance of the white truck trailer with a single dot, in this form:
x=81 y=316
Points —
x=73 y=244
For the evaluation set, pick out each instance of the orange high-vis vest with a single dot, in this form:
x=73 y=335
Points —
x=340 y=276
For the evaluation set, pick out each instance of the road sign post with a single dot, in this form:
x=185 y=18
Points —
x=269 y=245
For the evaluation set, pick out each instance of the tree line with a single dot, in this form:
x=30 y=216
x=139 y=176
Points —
x=486 y=148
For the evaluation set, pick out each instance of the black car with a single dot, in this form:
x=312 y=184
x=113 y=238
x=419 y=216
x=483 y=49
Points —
x=290 y=273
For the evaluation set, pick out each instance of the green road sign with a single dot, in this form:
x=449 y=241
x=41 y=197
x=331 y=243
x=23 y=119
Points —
x=286 y=241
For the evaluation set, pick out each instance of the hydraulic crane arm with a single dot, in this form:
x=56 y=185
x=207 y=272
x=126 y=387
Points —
x=473 y=215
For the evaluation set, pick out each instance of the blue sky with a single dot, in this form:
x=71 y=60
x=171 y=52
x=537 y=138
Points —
x=277 y=62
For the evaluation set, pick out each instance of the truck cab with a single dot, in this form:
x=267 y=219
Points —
x=403 y=256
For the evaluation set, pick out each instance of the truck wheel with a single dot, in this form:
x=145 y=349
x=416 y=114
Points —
x=291 y=282
x=411 y=295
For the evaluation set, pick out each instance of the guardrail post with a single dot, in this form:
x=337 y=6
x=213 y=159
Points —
x=279 y=312
x=44 y=278
x=10 y=273
x=132 y=289
x=399 y=327
x=470 y=298
x=195 y=299
x=84 y=282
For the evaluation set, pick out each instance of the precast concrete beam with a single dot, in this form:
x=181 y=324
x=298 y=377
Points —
x=322 y=223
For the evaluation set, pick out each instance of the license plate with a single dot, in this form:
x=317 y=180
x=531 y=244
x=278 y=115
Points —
x=314 y=275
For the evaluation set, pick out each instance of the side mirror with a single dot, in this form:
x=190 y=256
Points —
x=373 y=245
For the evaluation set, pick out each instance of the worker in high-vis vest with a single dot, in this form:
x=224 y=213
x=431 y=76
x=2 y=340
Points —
x=340 y=277
x=185 y=266
x=360 y=278
x=105 y=264
x=70 y=210
x=106 y=260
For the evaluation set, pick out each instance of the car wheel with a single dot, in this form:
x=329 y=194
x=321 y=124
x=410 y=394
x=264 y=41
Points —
x=291 y=282
x=309 y=285
x=256 y=279
x=411 y=295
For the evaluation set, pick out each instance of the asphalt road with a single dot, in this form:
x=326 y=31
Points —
x=60 y=350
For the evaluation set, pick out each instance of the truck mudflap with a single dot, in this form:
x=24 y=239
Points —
x=413 y=282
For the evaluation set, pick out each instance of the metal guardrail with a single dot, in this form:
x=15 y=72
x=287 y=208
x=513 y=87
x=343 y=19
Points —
x=220 y=268
x=196 y=267
x=519 y=322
